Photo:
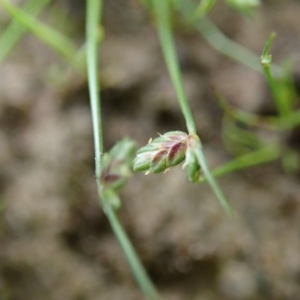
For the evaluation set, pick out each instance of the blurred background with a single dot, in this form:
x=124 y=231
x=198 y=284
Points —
x=55 y=242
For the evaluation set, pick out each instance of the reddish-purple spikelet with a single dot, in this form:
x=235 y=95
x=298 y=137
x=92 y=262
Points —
x=159 y=155
x=175 y=149
x=159 y=161
x=176 y=153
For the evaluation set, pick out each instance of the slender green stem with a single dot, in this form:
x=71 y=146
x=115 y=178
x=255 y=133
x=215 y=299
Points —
x=137 y=268
x=108 y=197
x=94 y=9
x=211 y=180
x=161 y=9
x=14 y=30
x=162 y=13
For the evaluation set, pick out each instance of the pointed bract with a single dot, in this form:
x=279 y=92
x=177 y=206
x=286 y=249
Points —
x=141 y=163
x=176 y=154
x=116 y=164
x=191 y=162
x=159 y=162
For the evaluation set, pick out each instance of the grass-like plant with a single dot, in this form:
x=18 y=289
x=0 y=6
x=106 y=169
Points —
x=112 y=169
x=117 y=156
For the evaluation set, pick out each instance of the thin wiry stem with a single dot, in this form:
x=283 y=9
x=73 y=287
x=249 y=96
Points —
x=167 y=42
x=107 y=196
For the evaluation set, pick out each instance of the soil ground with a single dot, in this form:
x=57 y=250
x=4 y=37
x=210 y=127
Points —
x=55 y=242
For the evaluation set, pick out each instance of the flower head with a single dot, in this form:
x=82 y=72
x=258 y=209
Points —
x=168 y=150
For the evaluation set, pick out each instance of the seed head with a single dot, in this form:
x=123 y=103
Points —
x=168 y=150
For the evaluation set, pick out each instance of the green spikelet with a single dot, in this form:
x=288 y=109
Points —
x=168 y=150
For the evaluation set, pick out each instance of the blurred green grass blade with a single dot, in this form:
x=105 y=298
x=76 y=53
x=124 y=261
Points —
x=14 y=30
x=245 y=117
x=196 y=17
x=281 y=123
x=235 y=113
x=289 y=121
x=242 y=136
x=252 y=159
x=204 y=7
x=226 y=46
x=286 y=87
x=246 y=7
x=287 y=95
x=273 y=123
x=45 y=33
